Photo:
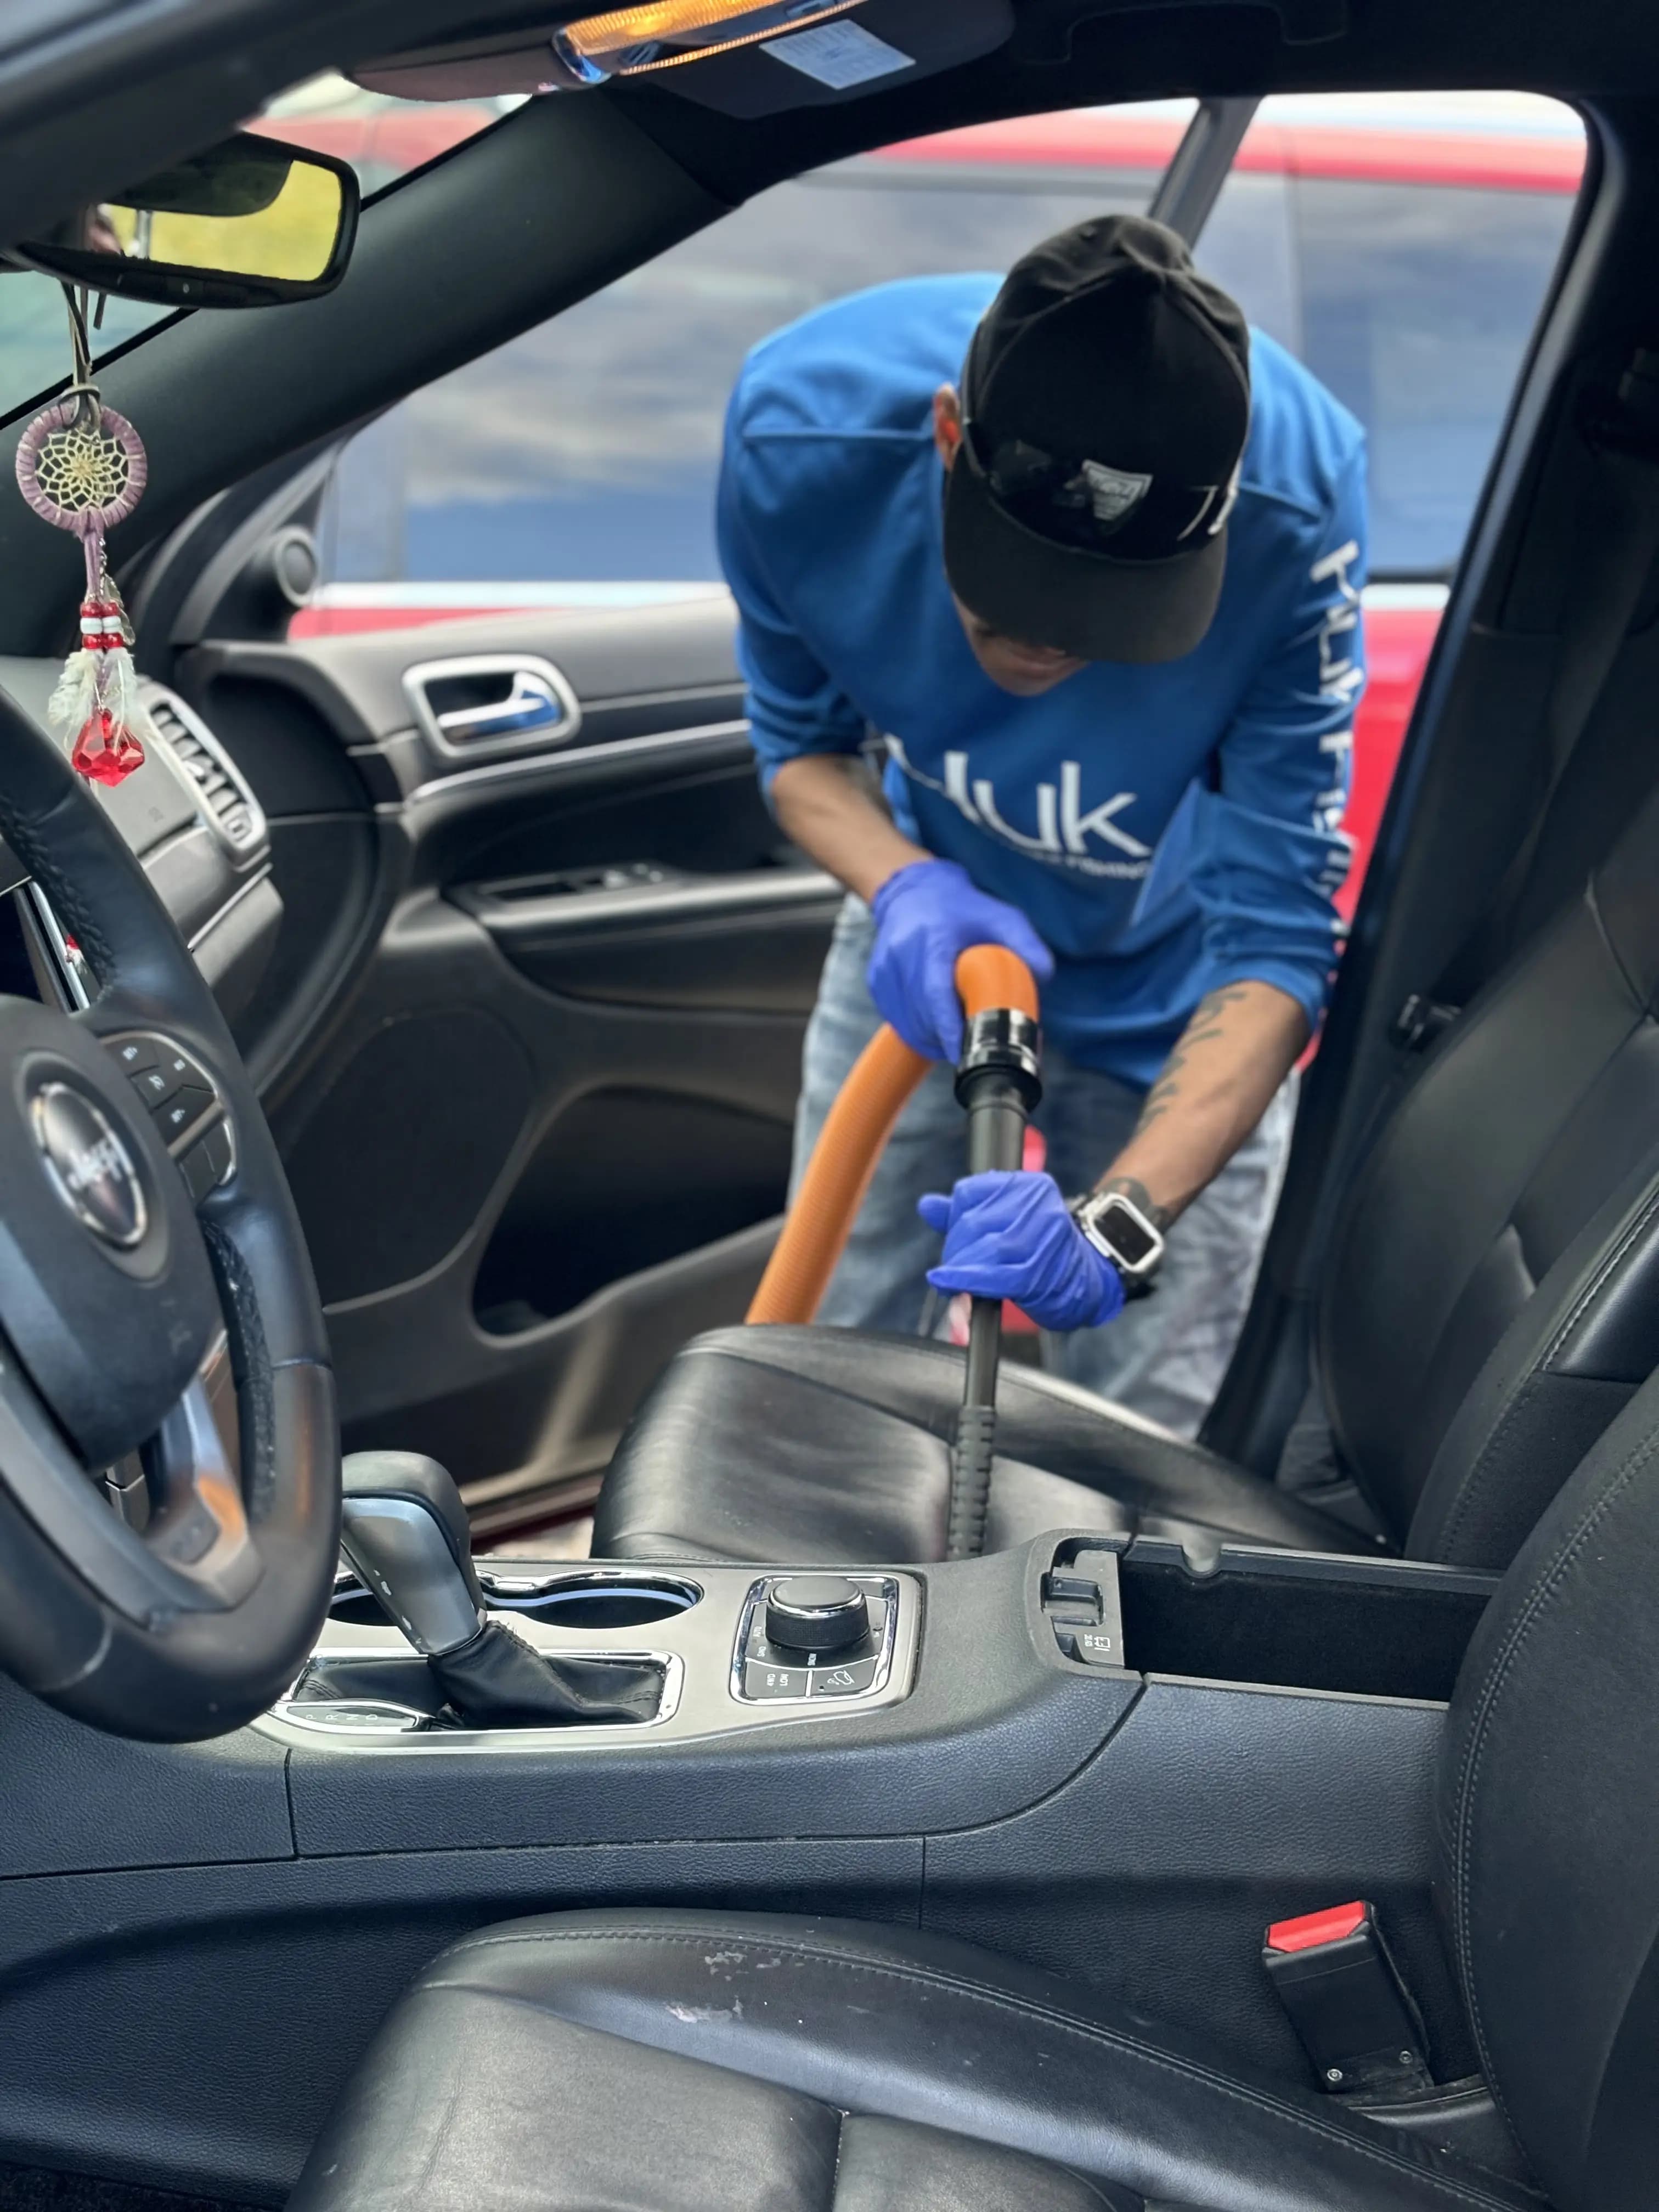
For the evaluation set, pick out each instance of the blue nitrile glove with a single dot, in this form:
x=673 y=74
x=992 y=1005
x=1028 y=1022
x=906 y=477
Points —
x=925 y=915
x=1007 y=1235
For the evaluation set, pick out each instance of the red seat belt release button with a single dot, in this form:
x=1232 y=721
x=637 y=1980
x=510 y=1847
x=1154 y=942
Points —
x=1347 y=2002
x=1309 y=1930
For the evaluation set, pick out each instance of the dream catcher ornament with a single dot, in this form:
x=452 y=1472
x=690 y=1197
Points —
x=82 y=467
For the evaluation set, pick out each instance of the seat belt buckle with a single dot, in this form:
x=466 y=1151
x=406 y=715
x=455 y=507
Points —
x=1347 y=2002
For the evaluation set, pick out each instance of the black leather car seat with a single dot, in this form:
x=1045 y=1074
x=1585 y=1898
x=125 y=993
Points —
x=683 y=2061
x=1491 y=1303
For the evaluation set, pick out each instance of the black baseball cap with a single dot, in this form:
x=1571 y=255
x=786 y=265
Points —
x=1106 y=399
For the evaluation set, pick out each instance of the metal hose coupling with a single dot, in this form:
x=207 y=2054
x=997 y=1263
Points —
x=1002 y=1040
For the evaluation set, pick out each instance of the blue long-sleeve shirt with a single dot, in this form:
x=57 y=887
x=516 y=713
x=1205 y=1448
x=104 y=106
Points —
x=1168 y=828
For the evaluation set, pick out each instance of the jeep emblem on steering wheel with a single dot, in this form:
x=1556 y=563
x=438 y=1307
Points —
x=90 y=1168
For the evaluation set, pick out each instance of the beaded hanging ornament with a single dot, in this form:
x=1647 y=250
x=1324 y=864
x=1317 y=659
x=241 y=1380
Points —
x=81 y=466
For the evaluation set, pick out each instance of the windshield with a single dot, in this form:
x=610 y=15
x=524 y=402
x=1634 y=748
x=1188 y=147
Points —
x=383 y=138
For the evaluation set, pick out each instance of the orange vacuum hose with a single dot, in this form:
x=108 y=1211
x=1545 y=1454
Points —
x=853 y=1136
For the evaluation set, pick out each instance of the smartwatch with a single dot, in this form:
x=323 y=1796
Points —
x=1120 y=1232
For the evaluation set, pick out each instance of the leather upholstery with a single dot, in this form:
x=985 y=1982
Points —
x=832 y=1445
x=1462 y=1249
x=1548 y=1816
x=667 y=2062
x=1491 y=1303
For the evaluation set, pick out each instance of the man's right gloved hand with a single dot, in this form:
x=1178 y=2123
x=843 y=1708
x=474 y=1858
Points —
x=925 y=915
x=1009 y=1234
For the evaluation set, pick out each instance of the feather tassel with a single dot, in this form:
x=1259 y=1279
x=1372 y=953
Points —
x=97 y=696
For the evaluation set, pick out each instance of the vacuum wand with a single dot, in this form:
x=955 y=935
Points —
x=999 y=1081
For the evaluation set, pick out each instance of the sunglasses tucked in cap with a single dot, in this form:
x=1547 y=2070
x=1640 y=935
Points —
x=1107 y=400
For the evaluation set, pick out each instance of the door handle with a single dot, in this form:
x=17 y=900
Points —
x=533 y=703
x=530 y=706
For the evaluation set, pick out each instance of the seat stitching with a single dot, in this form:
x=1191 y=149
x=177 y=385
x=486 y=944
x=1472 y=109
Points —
x=1106 y=1413
x=999 y=2001
x=1159 y=1477
x=835 y=2171
x=797 y=1377
x=1531 y=1611
x=1462 y=1504
x=1610 y=1261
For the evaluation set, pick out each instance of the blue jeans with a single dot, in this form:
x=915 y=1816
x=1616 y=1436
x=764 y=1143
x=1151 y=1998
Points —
x=1164 y=1356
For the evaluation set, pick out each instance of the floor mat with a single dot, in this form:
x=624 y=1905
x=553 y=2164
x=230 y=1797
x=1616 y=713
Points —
x=33 y=2189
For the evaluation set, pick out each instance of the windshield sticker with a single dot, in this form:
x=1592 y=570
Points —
x=840 y=55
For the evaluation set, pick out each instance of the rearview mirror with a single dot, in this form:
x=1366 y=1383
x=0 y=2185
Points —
x=249 y=223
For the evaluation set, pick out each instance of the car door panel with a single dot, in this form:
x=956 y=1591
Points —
x=539 y=1132
x=648 y=936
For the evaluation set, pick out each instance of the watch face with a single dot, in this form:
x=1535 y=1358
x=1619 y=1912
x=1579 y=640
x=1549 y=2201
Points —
x=1126 y=1232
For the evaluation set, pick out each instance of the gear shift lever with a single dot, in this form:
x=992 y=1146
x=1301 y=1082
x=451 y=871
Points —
x=403 y=1529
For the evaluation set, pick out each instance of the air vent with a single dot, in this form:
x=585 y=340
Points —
x=224 y=800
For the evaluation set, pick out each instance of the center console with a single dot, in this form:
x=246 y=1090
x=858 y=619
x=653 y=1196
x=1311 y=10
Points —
x=424 y=1650
x=707 y=1645
x=427 y=1651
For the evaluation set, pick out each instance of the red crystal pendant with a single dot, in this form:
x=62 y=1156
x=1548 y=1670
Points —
x=106 y=752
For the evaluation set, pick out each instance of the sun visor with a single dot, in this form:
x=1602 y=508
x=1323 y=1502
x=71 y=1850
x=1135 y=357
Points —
x=839 y=53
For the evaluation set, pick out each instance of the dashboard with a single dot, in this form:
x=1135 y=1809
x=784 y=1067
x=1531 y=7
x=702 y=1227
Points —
x=193 y=822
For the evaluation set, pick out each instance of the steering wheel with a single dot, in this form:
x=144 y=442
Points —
x=163 y=1573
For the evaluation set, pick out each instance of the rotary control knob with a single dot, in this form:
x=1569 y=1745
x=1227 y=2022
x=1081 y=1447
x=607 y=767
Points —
x=816 y=1613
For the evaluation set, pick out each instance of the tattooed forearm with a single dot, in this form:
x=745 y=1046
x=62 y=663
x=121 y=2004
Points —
x=1232 y=1055
x=1208 y=1023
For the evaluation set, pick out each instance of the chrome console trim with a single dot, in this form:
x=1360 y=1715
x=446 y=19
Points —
x=294 y=1714
x=695 y=1645
x=884 y=1587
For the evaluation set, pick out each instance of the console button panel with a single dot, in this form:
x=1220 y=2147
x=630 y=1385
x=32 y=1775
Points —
x=183 y=1101
x=767 y=1673
x=1080 y=1599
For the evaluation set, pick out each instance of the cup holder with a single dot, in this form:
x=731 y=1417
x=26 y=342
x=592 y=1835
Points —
x=589 y=1600
x=580 y=1600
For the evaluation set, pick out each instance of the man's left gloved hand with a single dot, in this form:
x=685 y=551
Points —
x=1008 y=1234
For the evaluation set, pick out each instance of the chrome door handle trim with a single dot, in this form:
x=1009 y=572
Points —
x=540 y=709
x=530 y=705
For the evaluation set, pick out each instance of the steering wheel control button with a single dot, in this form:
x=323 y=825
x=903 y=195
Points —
x=153 y=1086
x=180 y=1095
x=208 y=1163
x=767 y=1684
x=88 y=1166
x=850 y=1680
x=168 y=1072
x=183 y=1110
x=816 y=1613
x=135 y=1054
